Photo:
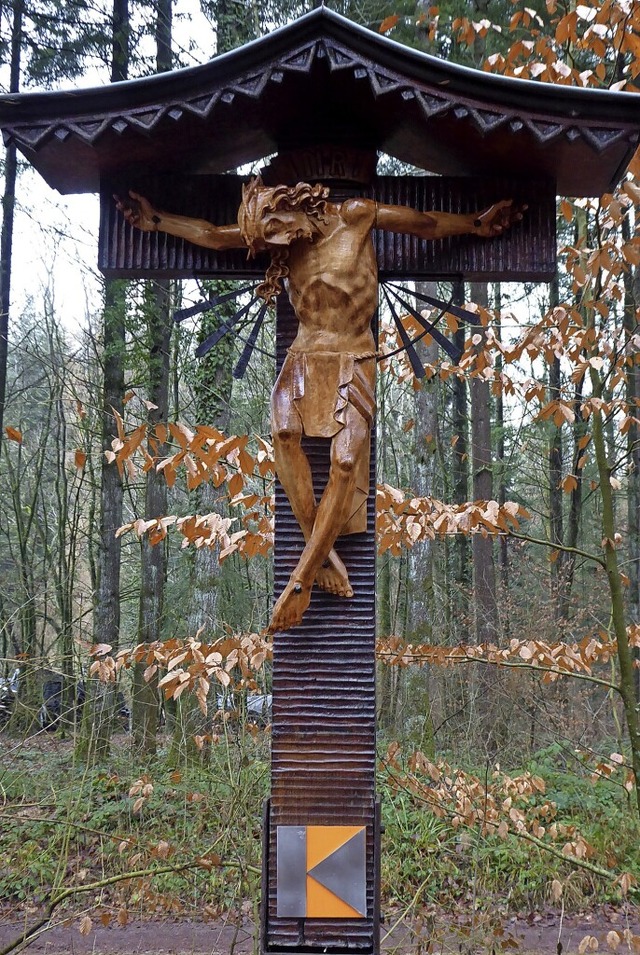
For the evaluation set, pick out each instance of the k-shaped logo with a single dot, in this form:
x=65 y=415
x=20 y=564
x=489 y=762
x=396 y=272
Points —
x=322 y=872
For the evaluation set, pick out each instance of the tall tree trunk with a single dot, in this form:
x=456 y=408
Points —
x=460 y=479
x=63 y=563
x=213 y=404
x=567 y=560
x=501 y=465
x=555 y=465
x=94 y=742
x=487 y=684
x=213 y=407
x=632 y=386
x=484 y=576
x=164 y=19
x=423 y=464
x=421 y=558
x=8 y=209
x=120 y=41
x=213 y=382
x=153 y=563
x=385 y=674
x=614 y=578
x=232 y=27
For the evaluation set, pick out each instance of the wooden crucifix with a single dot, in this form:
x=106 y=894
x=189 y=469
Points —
x=321 y=841
x=323 y=96
x=323 y=251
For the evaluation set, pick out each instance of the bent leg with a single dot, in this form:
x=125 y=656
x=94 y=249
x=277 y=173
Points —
x=331 y=515
x=294 y=473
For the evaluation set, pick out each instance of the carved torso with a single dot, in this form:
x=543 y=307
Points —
x=333 y=282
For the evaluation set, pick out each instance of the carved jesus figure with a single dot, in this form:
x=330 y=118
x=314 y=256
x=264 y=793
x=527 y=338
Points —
x=324 y=252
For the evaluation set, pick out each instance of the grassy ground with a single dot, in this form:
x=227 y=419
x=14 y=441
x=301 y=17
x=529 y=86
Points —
x=129 y=843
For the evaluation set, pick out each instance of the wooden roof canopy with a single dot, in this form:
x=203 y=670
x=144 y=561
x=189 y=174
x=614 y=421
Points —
x=324 y=79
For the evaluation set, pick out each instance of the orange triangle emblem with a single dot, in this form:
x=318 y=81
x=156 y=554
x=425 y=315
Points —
x=336 y=872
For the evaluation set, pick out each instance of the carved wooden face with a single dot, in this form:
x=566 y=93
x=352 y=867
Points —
x=272 y=217
x=281 y=228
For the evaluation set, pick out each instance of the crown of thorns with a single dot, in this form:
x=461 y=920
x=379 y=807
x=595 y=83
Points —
x=258 y=200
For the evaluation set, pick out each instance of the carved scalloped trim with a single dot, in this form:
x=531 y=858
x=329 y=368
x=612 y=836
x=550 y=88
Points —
x=382 y=82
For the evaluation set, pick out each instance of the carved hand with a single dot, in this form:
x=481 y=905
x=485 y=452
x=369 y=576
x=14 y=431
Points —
x=498 y=217
x=138 y=212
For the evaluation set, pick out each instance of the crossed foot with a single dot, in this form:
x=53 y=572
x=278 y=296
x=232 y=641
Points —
x=333 y=576
x=295 y=597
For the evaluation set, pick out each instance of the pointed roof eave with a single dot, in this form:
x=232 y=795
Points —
x=320 y=77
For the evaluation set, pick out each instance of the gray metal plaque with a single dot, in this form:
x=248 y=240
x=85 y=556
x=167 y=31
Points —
x=292 y=871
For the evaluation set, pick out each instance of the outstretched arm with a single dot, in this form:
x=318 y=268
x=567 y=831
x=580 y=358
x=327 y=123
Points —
x=139 y=212
x=489 y=223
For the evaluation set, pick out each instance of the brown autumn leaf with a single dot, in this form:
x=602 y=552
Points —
x=626 y=880
x=150 y=672
x=14 y=434
x=236 y=484
x=85 y=925
x=163 y=849
x=567 y=210
x=80 y=459
x=388 y=23
x=556 y=890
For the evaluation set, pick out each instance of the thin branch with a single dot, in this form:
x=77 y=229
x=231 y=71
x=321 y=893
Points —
x=418 y=660
x=36 y=927
x=553 y=546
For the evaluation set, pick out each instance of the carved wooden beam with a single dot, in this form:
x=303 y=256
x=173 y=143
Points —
x=528 y=253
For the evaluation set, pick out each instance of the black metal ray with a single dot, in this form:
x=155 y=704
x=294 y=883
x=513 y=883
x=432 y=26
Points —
x=262 y=351
x=225 y=327
x=462 y=313
x=241 y=367
x=416 y=364
x=441 y=339
x=182 y=313
x=428 y=330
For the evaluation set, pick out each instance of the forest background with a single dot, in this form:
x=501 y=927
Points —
x=136 y=523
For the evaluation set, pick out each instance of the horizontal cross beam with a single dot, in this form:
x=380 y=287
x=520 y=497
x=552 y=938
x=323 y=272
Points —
x=526 y=253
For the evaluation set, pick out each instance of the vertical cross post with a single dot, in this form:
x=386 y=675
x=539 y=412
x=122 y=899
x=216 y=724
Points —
x=322 y=813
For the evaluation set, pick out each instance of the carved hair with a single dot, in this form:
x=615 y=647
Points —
x=259 y=200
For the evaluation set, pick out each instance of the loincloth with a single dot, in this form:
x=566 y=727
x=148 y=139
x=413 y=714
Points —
x=322 y=386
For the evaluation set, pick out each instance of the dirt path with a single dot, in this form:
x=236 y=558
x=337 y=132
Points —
x=536 y=935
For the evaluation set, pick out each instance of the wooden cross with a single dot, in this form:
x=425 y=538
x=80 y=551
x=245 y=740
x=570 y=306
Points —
x=321 y=829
